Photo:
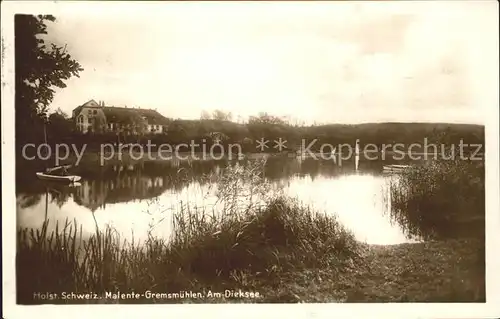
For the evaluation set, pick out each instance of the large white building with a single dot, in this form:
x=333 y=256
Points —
x=97 y=117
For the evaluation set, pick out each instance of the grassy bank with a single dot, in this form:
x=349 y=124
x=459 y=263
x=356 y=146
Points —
x=437 y=271
x=252 y=251
x=284 y=251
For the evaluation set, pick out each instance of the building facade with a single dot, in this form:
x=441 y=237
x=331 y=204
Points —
x=96 y=117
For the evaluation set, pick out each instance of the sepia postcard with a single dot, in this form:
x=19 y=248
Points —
x=246 y=159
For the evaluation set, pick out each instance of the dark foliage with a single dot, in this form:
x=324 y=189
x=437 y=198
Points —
x=39 y=68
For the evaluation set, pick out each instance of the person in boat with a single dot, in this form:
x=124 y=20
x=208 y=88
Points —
x=59 y=171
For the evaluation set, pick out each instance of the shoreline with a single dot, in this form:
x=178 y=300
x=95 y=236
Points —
x=435 y=271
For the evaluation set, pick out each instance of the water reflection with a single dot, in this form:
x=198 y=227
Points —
x=133 y=198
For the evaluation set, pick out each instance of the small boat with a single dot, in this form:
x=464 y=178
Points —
x=57 y=178
x=396 y=168
x=58 y=174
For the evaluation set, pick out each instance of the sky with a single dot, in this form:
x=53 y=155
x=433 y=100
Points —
x=325 y=62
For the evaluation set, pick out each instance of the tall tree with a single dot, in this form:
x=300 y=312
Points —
x=62 y=113
x=39 y=68
x=205 y=115
x=222 y=115
x=59 y=126
x=265 y=118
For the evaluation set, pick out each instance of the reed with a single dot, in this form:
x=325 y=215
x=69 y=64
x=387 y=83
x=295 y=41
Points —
x=443 y=199
x=246 y=244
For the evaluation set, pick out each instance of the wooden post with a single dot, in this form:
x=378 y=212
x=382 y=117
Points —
x=356 y=157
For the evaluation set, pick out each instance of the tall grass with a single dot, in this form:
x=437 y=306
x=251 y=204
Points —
x=240 y=247
x=441 y=199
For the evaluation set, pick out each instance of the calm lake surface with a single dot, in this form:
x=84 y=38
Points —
x=137 y=199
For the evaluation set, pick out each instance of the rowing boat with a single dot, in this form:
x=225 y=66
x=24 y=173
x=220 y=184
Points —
x=56 y=178
x=58 y=173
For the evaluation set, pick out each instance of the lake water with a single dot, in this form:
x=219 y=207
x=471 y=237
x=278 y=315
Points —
x=137 y=199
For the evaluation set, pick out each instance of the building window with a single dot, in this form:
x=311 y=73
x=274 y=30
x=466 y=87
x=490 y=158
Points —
x=95 y=112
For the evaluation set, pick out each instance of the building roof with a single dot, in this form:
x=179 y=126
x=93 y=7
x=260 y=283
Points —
x=153 y=117
x=124 y=114
x=91 y=103
x=119 y=114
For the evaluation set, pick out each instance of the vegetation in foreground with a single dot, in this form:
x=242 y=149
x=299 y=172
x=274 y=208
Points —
x=441 y=200
x=252 y=242
x=206 y=252
x=284 y=251
x=344 y=270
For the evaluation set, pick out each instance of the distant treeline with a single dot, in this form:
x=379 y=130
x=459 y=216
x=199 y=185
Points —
x=209 y=131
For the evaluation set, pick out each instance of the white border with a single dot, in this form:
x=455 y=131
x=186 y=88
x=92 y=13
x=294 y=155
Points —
x=405 y=310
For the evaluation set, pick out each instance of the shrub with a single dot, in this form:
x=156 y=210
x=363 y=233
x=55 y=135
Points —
x=257 y=236
x=441 y=199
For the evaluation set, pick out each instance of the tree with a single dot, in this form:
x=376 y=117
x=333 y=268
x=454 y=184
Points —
x=205 y=115
x=222 y=116
x=99 y=124
x=39 y=67
x=59 y=125
x=176 y=131
x=62 y=113
x=265 y=118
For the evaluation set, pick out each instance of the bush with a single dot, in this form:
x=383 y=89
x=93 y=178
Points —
x=246 y=242
x=441 y=199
